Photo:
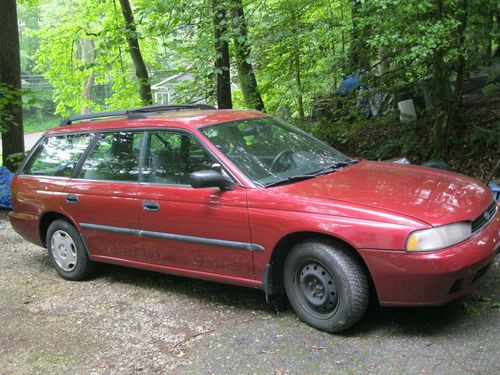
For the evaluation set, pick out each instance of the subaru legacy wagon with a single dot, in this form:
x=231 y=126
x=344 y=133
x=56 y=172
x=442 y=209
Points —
x=244 y=198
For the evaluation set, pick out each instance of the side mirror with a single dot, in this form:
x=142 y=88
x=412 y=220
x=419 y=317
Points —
x=210 y=178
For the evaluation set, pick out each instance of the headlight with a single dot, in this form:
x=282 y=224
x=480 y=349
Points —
x=439 y=237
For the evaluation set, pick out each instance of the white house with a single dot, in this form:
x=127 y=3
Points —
x=164 y=91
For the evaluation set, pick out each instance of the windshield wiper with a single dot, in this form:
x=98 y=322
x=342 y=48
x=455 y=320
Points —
x=335 y=166
x=299 y=177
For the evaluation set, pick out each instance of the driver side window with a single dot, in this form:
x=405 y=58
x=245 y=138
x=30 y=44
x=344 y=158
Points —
x=172 y=156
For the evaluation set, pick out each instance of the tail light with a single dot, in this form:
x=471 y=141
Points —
x=13 y=188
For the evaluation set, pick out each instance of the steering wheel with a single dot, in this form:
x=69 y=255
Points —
x=66 y=169
x=277 y=165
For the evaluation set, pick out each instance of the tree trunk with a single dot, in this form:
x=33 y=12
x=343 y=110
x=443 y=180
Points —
x=298 y=81
x=246 y=74
x=222 y=63
x=88 y=58
x=11 y=115
x=488 y=27
x=342 y=18
x=135 y=52
x=459 y=89
x=359 y=57
x=496 y=38
x=441 y=94
x=385 y=61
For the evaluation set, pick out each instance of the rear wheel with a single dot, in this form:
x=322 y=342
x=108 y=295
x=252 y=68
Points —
x=67 y=251
x=326 y=285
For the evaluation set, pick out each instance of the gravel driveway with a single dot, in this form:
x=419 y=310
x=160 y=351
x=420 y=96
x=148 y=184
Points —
x=126 y=321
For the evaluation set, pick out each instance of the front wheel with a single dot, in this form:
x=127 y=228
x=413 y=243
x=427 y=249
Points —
x=67 y=251
x=326 y=285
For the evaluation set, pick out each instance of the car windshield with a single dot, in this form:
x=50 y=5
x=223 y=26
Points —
x=270 y=151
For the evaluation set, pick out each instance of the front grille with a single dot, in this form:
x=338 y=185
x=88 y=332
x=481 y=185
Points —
x=484 y=218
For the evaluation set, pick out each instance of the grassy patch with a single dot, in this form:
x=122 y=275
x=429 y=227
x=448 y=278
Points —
x=474 y=307
x=45 y=362
x=36 y=125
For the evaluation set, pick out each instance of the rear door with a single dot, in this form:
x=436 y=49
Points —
x=102 y=197
x=41 y=182
x=204 y=230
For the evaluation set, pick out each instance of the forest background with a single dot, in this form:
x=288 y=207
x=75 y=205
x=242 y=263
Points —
x=285 y=57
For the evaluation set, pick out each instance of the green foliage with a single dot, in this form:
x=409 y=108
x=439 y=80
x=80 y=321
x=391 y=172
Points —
x=85 y=40
x=177 y=35
x=300 y=51
x=15 y=160
x=8 y=96
x=289 y=31
x=488 y=138
x=377 y=138
x=475 y=307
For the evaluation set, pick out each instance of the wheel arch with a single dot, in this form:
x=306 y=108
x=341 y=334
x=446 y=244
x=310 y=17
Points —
x=272 y=278
x=47 y=219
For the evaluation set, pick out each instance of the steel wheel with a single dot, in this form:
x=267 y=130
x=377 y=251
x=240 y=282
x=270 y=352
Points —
x=64 y=250
x=318 y=287
x=326 y=284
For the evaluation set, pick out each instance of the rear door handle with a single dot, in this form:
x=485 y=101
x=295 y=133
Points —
x=72 y=198
x=150 y=206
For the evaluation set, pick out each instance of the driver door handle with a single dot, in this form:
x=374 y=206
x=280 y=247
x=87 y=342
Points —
x=150 y=206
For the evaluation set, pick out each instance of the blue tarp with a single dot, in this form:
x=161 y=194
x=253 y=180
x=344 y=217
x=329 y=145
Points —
x=5 y=181
x=495 y=189
x=351 y=83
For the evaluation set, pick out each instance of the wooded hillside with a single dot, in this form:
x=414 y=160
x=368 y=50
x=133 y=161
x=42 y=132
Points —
x=287 y=57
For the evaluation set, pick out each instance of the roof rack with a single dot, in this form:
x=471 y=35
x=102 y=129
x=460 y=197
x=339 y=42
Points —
x=134 y=113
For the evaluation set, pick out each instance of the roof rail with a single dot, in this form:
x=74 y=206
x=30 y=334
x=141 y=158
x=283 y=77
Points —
x=134 y=112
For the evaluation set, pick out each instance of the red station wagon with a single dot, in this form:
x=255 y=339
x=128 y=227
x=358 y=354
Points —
x=243 y=198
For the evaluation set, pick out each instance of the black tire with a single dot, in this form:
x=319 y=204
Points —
x=326 y=285
x=67 y=251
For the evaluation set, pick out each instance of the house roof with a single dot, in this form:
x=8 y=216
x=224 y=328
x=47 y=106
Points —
x=169 y=79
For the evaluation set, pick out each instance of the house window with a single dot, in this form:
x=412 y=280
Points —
x=162 y=97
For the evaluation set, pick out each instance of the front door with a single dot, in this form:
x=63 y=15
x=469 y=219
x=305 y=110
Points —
x=204 y=230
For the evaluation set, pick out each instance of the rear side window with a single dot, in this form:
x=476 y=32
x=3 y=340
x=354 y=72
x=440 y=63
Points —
x=115 y=157
x=57 y=156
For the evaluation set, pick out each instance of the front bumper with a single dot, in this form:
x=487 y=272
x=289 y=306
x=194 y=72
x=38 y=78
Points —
x=433 y=278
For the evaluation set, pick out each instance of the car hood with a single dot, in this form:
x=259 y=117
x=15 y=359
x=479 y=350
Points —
x=430 y=195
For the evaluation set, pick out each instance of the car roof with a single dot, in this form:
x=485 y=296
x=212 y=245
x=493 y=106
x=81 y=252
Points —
x=185 y=119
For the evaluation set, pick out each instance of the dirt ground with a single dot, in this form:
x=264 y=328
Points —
x=126 y=321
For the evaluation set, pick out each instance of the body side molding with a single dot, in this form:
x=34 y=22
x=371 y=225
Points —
x=176 y=237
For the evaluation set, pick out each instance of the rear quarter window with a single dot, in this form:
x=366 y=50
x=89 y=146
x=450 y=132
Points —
x=57 y=155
